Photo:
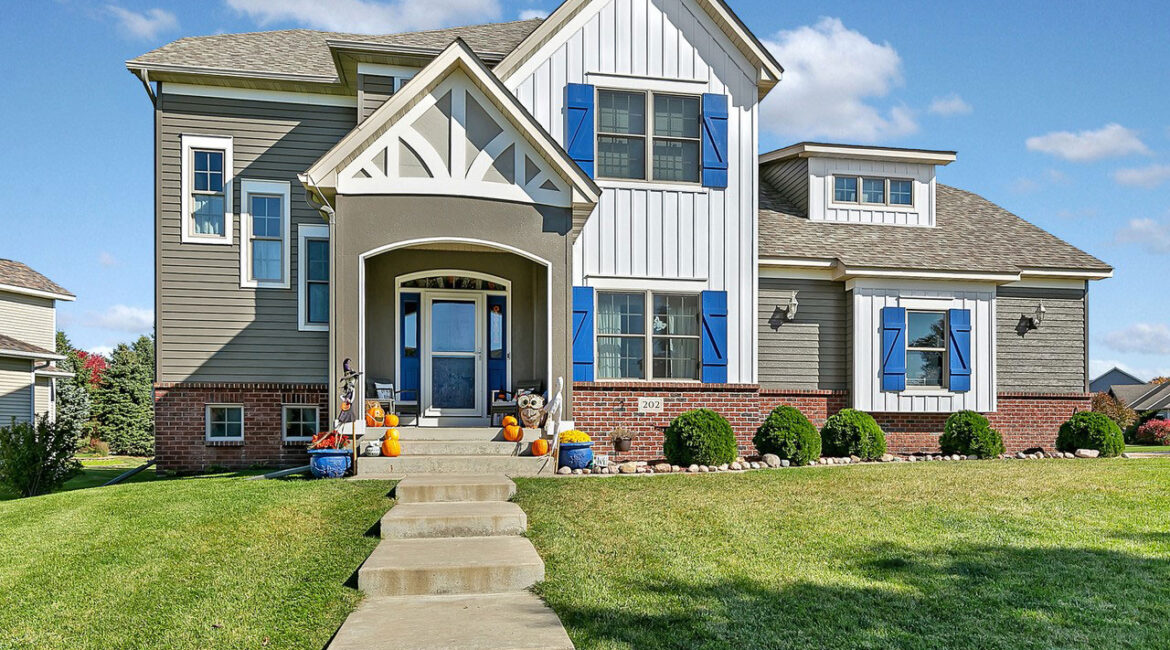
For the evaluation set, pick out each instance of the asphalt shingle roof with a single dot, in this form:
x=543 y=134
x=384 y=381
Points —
x=18 y=274
x=970 y=234
x=1144 y=397
x=9 y=344
x=305 y=52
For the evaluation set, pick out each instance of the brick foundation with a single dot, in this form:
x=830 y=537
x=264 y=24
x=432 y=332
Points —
x=1025 y=419
x=179 y=409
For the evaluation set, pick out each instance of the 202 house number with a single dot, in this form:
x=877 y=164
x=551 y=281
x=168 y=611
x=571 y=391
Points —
x=649 y=404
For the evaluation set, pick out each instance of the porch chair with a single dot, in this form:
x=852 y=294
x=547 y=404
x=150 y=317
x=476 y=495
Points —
x=400 y=402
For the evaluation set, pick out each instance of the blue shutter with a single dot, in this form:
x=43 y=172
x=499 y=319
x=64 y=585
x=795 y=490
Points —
x=579 y=125
x=714 y=140
x=582 y=333
x=410 y=342
x=893 y=348
x=959 y=349
x=714 y=356
x=497 y=358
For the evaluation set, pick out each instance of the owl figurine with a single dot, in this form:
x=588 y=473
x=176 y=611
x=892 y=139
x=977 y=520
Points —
x=531 y=407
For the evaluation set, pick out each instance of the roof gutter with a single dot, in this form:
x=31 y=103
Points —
x=144 y=76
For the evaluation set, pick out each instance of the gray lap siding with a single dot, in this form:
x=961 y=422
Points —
x=209 y=328
x=809 y=352
x=1050 y=359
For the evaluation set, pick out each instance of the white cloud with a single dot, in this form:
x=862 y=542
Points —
x=147 y=25
x=369 y=16
x=529 y=14
x=1144 y=338
x=1148 y=177
x=1109 y=141
x=1024 y=185
x=124 y=318
x=104 y=350
x=1145 y=232
x=951 y=104
x=107 y=259
x=831 y=76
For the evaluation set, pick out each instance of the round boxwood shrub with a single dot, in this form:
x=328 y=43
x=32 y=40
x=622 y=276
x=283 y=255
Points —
x=699 y=437
x=970 y=434
x=853 y=433
x=1088 y=430
x=789 y=435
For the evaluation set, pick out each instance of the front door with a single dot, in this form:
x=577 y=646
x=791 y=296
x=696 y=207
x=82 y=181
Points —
x=453 y=365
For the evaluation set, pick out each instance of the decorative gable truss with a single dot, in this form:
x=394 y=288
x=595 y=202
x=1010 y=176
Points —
x=455 y=141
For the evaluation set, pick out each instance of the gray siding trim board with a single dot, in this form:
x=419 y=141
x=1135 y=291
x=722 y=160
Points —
x=209 y=328
x=1050 y=359
x=810 y=352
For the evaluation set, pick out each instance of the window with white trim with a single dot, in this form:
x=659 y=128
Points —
x=264 y=234
x=628 y=333
x=299 y=422
x=313 y=277
x=206 y=171
x=672 y=144
x=224 y=422
x=866 y=190
x=926 y=348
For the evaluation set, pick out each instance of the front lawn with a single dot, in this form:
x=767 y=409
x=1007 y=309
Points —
x=1147 y=449
x=96 y=472
x=185 y=563
x=989 y=554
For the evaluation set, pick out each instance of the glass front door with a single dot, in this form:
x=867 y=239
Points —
x=453 y=385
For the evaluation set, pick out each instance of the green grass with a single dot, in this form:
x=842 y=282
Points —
x=97 y=472
x=1145 y=449
x=185 y=563
x=994 y=554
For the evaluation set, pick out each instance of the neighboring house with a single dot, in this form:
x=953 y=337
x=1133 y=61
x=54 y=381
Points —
x=28 y=338
x=1144 y=398
x=1114 y=377
x=471 y=210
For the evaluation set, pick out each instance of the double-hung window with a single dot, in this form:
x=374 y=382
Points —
x=206 y=189
x=628 y=334
x=926 y=348
x=313 y=292
x=265 y=234
x=224 y=422
x=300 y=422
x=670 y=139
x=873 y=191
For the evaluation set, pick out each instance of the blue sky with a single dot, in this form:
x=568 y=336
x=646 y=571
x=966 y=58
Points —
x=1057 y=110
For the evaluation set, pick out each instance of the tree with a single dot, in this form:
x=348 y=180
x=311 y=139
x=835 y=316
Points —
x=1159 y=380
x=125 y=404
x=73 y=398
x=37 y=458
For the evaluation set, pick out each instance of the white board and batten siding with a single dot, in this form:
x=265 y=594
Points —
x=822 y=207
x=645 y=230
x=870 y=296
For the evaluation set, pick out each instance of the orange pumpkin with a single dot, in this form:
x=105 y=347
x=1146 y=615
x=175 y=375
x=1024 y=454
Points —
x=539 y=447
x=513 y=433
x=391 y=448
x=391 y=434
x=510 y=421
x=375 y=416
x=391 y=420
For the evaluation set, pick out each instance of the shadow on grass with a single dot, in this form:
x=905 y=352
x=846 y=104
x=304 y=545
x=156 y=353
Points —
x=986 y=597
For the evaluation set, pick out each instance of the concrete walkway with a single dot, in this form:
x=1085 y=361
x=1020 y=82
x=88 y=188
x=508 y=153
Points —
x=452 y=571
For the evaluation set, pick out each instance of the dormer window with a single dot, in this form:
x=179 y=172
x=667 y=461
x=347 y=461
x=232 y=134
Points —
x=873 y=191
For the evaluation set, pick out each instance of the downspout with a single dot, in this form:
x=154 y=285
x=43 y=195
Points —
x=144 y=77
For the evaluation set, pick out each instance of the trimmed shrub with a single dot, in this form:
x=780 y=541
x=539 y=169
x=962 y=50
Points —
x=970 y=434
x=37 y=458
x=700 y=437
x=787 y=433
x=853 y=433
x=1154 y=432
x=1088 y=430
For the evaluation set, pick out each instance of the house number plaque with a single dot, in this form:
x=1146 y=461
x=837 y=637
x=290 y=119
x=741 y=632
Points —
x=649 y=404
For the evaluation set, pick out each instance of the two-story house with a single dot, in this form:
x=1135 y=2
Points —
x=28 y=333
x=467 y=211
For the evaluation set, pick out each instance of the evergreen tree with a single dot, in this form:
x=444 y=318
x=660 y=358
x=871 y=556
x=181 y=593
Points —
x=125 y=403
x=73 y=402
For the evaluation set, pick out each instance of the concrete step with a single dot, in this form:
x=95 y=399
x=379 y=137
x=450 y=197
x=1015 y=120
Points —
x=459 y=519
x=381 y=467
x=464 y=448
x=483 y=434
x=436 y=488
x=511 y=621
x=458 y=565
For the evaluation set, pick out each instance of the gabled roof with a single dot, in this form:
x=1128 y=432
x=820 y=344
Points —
x=1118 y=371
x=10 y=347
x=971 y=234
x=305 y=54
x=322 y=175
x=860 y=152
x=17 y=277
x=1146 y=397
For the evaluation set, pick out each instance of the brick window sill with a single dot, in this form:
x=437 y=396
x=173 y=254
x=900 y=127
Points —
x=224 y=443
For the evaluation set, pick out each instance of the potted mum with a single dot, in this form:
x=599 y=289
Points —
x=330 y=455
x=576 y=449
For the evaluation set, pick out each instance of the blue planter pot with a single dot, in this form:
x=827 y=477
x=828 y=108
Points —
x=576 y=455
x=330 y=463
